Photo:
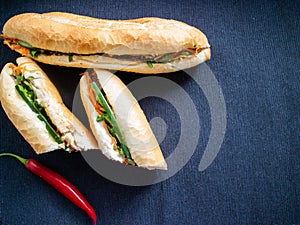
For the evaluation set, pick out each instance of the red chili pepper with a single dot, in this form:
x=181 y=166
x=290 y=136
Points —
x=59 y=183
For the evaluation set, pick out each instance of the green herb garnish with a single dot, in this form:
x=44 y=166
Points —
x=99 y=118
x=70 y=58
x=110 y=117
x=185 y=53
x=26 y=91
x=165 y=58
x=35 y=53
x=25 y=45
x=150 y=64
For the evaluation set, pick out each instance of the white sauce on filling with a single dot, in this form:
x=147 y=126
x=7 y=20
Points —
x=105 y=141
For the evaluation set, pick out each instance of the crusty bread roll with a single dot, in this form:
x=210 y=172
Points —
x=99 y=43
x=73 y=134
x=141 y=142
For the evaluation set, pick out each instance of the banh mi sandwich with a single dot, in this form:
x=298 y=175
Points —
x=35 y=107
x=144 y=45
x=117 y=121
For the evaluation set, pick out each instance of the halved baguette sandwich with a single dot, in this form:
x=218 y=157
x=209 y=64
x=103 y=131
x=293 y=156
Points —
x=117 y=121
x=144 y=45
x=35 y=107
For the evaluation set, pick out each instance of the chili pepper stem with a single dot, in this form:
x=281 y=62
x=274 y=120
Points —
x=22 y=160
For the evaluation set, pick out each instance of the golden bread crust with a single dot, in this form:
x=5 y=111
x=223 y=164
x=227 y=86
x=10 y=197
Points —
x=70 y=33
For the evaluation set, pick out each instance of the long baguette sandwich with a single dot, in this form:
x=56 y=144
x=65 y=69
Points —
x=35 y=107
x=117 y=121
x=144 y=45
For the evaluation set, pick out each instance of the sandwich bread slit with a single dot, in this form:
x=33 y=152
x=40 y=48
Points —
x=35 y=107
x=28 y=91
x=106 y=116
x=26 y=49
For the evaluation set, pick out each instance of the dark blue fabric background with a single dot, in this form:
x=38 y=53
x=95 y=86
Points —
x=255 y=177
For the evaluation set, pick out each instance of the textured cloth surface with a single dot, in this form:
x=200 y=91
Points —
x=255 y=177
